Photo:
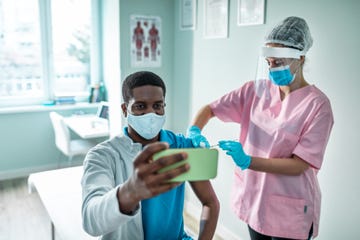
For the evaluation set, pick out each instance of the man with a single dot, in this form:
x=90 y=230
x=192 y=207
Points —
x=124 y=195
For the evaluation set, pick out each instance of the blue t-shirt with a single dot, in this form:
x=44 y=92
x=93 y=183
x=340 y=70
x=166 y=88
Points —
x=162 y=215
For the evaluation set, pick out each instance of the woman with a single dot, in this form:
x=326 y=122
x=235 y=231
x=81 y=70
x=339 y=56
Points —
x=285 y=126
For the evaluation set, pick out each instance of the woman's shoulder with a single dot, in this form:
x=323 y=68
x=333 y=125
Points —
x=318 y=94
x=317 y=99
x=245 y=89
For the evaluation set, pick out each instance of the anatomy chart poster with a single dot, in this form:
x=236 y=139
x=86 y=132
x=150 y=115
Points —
x=145 y=33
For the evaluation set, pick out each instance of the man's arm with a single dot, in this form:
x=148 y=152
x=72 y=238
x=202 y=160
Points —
x=210 y=208
x=101 y=196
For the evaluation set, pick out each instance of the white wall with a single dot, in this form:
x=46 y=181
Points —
x=206 y=69
x=221 y=65
x=116 y=40
x=111 y=53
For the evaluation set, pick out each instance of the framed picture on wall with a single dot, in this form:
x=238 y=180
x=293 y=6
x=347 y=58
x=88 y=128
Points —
x=216 y=19
x=250 y=12
x=145 y=39
x=187 y=14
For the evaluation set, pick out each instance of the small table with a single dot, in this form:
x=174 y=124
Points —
x=88 y=126
x=60 y=192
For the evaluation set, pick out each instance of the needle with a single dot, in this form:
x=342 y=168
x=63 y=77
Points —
x=215 y=145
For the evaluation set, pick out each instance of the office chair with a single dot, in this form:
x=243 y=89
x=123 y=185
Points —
x=69 y=147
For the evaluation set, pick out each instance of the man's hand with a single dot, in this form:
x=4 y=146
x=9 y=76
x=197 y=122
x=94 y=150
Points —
x=146 y=181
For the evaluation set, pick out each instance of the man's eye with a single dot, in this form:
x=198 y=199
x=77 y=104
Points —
x=158 y=106
x=138 y=106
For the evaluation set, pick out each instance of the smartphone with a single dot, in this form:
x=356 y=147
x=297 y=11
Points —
x=203 y=163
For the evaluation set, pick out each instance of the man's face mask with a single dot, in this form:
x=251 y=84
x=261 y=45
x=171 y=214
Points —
x=147 y=125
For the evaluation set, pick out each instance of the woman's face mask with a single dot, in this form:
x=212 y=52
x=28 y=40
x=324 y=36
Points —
x=281 y=76
x=146 y=125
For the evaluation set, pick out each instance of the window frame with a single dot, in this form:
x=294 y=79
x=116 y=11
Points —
x=47 y=61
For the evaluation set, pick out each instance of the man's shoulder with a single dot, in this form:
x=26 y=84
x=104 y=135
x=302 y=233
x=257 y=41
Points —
x=165 y=134
x=175 y=140
x=116 y=149
x=115 y=144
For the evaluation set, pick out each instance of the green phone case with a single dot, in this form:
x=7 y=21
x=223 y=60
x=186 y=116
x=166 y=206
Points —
x=203 y=163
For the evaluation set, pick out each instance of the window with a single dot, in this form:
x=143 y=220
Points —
x=45 y=49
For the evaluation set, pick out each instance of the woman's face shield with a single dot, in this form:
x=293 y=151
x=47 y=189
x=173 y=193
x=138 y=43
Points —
x=275 y=64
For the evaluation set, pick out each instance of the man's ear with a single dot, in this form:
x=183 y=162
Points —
x=124 y=109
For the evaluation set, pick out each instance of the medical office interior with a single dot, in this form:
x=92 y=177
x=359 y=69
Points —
x=197 y=70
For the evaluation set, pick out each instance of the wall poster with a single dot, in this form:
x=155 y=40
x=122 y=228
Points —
x=187 y=14
x=251 y=12
x=216 y=19
x=145 y=39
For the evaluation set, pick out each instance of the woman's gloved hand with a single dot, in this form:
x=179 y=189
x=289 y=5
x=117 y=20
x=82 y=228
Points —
x=235 y=150
x=198 y=140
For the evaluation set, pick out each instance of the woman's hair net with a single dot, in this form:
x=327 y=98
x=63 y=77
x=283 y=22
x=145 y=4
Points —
x=291 y=32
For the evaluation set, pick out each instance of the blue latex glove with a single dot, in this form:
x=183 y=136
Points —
x=235 y=150
x=198 y=140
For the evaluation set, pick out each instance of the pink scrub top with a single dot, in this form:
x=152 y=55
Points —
x=274 y=204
